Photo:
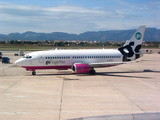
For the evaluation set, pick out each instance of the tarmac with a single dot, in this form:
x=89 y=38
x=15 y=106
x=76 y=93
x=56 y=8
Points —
x=126 y=89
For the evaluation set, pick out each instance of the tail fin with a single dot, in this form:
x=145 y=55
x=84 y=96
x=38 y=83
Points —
x=133 y=45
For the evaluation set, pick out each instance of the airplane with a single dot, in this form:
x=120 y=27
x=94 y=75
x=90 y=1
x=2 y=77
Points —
x=84 y=61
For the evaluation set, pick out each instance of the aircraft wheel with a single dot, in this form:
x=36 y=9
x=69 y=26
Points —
x=92 y=72
x=33 y=73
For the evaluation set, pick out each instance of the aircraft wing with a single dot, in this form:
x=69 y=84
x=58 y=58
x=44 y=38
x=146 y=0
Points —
x=107 y=64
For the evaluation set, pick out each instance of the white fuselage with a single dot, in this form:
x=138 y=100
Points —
x=64 y=59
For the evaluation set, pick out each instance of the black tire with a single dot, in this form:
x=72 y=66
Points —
x=33 y=73
x=92 y=72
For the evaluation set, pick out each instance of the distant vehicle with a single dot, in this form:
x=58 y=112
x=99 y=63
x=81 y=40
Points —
x=84 y=61
x=0 y=55
x=5 y=60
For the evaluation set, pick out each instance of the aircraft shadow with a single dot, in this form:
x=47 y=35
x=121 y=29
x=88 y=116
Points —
x=56 y=74
x=114 y=74
x=120 y=74
x=135 y=116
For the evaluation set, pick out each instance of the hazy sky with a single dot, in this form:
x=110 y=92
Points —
x=77 y=16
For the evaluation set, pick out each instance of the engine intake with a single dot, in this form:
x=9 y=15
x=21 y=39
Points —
x=80 y=68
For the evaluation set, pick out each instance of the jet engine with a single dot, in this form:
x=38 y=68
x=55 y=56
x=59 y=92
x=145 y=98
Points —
x=80 y=68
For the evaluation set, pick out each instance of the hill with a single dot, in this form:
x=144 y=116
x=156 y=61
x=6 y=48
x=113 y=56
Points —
x=151 y=34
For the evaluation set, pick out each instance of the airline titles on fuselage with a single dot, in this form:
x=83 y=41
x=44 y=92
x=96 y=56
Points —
x=55 y=62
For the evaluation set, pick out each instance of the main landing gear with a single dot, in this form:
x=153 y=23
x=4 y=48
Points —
x=33 y=72
x=92 y=72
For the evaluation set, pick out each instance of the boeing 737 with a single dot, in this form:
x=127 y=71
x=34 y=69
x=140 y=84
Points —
x=84 y=61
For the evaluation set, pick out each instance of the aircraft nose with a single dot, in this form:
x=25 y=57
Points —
x=18 y=62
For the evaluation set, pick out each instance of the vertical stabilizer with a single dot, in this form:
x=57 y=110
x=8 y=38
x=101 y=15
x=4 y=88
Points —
x=133 y=45
x=137 y=39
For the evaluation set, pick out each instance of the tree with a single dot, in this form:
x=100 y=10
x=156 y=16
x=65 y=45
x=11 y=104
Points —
x=12 y=42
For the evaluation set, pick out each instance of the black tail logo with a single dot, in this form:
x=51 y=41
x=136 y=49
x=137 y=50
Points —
x=128 y=52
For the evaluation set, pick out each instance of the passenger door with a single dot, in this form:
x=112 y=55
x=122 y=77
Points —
x=41 y=58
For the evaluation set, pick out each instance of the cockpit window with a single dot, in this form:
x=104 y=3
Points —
x=27 y=56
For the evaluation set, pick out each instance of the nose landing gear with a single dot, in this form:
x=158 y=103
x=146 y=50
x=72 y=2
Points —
x=33 y=71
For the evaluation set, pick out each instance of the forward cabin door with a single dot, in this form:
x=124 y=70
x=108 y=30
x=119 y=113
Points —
x=41 y=58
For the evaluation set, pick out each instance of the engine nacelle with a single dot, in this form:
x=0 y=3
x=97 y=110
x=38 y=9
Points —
x=80 y=68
